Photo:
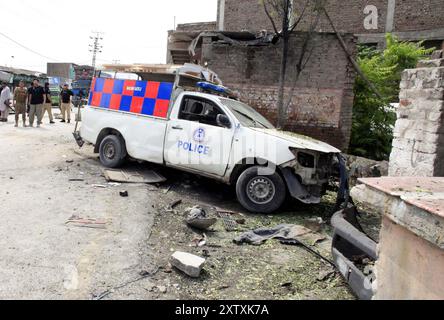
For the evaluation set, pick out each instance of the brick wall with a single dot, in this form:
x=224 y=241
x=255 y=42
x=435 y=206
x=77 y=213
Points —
x=418 y=147
x=419 y=15
x=323 y=100
x=410 y=15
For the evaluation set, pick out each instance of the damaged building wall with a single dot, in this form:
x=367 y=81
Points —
x=323 y=101
x=197 y=26
x=369 y=19
x=418 y=147
x=180 y=39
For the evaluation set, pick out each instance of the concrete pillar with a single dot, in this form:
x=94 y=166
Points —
x=418 y=146
x=390 y=24
x=221 y=15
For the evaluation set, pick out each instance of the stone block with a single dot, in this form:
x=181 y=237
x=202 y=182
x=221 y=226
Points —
x=436 y=117
x=431 y=63
x=188 y=263
x=429 y=94
x=429 y=148
x=438 y=54
x=425 y=78
x=417 y=135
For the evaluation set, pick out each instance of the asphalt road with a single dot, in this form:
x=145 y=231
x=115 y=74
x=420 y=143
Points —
x=43 y=258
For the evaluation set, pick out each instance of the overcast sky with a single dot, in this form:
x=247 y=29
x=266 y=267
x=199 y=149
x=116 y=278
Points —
x=135 y=30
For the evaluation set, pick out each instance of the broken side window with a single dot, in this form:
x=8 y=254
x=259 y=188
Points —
x=199 y=110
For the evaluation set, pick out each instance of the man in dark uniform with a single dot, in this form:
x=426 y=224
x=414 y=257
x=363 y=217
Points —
x=47 y=107
x=36 y=100
x=65 y=99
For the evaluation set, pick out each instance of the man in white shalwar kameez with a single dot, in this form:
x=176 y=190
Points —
x=5 y=98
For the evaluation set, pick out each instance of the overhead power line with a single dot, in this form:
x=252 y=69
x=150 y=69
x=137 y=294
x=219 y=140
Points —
x=27 y=48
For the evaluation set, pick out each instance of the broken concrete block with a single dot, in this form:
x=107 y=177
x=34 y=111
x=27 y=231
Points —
x=438 y=54
x=188 y=263
x=431 y=63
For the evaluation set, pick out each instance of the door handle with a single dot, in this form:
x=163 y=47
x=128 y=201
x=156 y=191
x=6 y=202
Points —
x=177 y=128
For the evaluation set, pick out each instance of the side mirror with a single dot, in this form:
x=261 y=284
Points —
x=223 y=121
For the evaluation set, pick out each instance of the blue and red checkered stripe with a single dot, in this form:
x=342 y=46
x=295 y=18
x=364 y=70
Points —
x=149 y=98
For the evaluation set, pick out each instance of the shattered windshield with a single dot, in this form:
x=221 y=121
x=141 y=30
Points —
x=246 y=115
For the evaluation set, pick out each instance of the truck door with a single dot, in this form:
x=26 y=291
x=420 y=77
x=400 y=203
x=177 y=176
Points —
x=195 y=141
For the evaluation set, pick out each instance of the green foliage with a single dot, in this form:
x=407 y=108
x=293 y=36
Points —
x=373 y=118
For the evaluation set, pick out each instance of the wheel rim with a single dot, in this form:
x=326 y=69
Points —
x=109 y=151
x=261 y=190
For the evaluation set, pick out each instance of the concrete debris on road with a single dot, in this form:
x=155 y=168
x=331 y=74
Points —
x=170 y=207
x=188 y=263
x=325 y=275
x=114 y=184
x=364 y=168
x=280 y=232
x=77 y=221
x=198 y=218
x=125 y=176
x=101 y=186
x=230 y=223
x=160 y=289
x=199 y=241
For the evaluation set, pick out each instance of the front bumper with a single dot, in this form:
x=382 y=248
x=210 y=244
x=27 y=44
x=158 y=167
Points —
x=350 y=242
x=78 y=138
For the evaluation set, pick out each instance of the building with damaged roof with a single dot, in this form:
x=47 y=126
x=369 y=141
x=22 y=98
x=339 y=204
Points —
x=369 y=20
x=249 y=64
x=323 y=101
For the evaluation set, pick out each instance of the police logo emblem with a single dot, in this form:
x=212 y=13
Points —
x=199 y=135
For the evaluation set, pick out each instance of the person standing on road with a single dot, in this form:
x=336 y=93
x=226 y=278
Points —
x=65 y=99
x=5 y=97
x=37 y=100
x=47 y=107
x=21 y=101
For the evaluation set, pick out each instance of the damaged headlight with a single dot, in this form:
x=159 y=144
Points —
x=305 y=159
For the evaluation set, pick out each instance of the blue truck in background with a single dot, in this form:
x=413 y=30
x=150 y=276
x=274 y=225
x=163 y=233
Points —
x=82 y=84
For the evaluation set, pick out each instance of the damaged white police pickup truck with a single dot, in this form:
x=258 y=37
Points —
x=182 y=117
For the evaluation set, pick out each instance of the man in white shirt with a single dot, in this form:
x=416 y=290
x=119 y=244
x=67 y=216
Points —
x=5 y=98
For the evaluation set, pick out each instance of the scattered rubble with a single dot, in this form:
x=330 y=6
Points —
x=149 y=176
x=198 y=218
x=280 y=232
x=189 y=264
x=101 y=186
x=325 y=275
x=365 y=168
x=230 y=223
x=114 y=184
x=77 y=221
x=199 y=241
x=170 y=207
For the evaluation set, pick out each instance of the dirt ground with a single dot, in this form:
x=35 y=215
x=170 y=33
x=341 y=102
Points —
x=46 y=179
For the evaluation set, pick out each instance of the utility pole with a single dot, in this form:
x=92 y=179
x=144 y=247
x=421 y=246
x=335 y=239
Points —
x=95 y=47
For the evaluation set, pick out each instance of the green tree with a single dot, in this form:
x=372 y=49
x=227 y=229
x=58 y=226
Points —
x=374 y=118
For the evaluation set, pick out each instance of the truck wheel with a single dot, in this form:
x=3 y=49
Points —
x=112 y=151
x=260 y=194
